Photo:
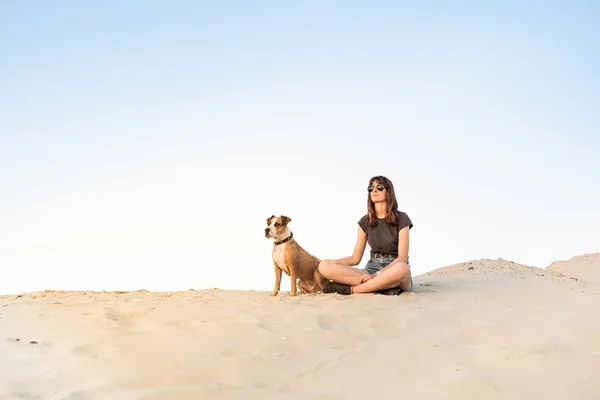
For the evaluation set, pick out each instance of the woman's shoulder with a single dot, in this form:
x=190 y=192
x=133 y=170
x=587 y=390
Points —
x=363 y=222
x=402 y=214
x=403 y=220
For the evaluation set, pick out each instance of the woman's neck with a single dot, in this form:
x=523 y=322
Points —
x=381 y=210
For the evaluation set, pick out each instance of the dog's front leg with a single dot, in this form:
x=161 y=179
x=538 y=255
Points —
x=294 y=279
x=277 y=279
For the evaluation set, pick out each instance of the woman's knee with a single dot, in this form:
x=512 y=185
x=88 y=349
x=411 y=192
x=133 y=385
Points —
x=399 y=271
x=325 y=267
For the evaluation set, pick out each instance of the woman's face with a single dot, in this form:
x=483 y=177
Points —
x=377 y=192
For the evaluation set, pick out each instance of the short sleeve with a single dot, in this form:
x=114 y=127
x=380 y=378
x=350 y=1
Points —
x=404 y=221
x=363 y=222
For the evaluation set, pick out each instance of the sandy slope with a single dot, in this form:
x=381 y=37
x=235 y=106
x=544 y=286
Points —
x=486 y=329
x=585 y=267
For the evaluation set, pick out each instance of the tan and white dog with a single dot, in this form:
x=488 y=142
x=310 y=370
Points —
x=290 y=257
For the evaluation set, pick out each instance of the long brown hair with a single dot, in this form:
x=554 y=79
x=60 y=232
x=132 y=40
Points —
x=392 y=214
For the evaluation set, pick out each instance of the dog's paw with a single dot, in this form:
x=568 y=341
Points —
x=273 y=293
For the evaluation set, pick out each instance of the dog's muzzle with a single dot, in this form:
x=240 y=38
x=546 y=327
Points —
x=267 y=233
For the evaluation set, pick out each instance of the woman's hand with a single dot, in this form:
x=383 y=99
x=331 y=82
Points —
x=367 y=277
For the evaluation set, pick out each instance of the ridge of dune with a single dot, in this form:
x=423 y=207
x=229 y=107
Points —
x=486 y=266
x=585 y=267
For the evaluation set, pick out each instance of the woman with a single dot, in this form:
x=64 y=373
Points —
x=386 y=230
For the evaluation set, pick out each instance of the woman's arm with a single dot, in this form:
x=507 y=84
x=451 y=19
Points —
x=403 y=244
x=359 y=250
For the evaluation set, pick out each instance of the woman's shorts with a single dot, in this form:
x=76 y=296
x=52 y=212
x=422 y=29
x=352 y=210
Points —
x=377 y=264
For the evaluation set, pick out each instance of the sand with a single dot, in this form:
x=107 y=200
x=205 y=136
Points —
x=484 y=329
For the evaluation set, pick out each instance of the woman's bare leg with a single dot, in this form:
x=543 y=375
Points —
x=341 y=273
x=394 y=275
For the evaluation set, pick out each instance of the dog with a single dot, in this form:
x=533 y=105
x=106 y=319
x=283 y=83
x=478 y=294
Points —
x=289 y=257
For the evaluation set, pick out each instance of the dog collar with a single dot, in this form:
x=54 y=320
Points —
x=284 y=240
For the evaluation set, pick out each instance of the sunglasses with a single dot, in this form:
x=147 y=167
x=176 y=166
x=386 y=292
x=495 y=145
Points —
x=379 y=187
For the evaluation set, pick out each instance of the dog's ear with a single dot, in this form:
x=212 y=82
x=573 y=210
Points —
x=269 y=219
x=285 y=220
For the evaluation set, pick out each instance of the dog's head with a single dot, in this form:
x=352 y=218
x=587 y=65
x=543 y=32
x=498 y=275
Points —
x=276 y=225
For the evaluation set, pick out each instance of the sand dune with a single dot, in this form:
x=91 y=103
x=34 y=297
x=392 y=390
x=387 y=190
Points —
x=485 y=329
x=585 y=267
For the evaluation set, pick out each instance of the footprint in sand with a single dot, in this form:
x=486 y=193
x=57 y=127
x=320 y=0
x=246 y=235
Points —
x=332 y=323
x=327 y=365
x=275 y=356
x=351 y=346
x=94 y=350
x=80 y=395
x=121 y=318
x=268 y=385
x=265 y=327
x=25 y=396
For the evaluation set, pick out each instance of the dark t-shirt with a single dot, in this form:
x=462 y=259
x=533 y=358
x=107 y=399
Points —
x=383 y=238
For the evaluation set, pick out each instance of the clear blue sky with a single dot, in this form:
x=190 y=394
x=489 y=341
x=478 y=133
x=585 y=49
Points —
x=144 y=143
